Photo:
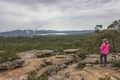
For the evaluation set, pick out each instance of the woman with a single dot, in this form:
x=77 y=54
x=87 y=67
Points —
x=104 y=48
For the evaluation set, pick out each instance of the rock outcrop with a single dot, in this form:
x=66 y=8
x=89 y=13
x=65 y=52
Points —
x=56 y=67
x=11 y=64
x=35 y=54
x=71 y=51
x=87 y=73
x=42 y=66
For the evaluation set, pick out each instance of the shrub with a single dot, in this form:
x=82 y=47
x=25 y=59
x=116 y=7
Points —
x=31 y=76
x=7 y=56
x=13 y=45
x=116 y=62
x=59 y=51
x=81 y=65
x=82 y=55
x=44 y=78
x=105 y=78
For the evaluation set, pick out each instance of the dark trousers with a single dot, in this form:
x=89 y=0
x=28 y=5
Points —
x=103 y=59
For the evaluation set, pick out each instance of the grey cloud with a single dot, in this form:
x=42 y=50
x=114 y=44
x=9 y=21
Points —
x=32 y=2
x=53 y=13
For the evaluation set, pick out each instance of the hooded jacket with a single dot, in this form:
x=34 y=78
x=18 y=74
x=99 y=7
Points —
x=105 y=48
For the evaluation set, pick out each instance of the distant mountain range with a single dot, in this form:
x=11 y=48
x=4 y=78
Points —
x=42 y=32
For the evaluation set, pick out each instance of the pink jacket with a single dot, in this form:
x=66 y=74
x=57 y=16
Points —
x=105 y=48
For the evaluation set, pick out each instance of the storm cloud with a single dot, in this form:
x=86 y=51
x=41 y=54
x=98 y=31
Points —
x=57 y=14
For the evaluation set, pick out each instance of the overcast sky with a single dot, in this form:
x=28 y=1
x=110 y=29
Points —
x=57 y=14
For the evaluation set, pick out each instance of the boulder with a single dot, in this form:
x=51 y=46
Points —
x=11 y=64
x=48 y=62
x=71 y=51
x=45 y=53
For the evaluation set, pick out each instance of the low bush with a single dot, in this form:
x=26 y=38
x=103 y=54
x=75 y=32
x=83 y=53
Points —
x=116 y=62
x=82 y=55
x=105 y=78
x=31 y=76
x=7 y=56
x=81 y=65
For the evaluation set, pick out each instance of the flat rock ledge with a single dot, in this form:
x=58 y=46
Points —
x=70 y=51
x=35 y=54
x=11 y=64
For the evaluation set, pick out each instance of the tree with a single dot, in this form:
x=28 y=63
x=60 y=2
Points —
x=110 y=36
x=113 y=34
x=115 y=25
x=98 y=27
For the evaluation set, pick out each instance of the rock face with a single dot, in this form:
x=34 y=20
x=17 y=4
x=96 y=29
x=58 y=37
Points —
x=11 y=65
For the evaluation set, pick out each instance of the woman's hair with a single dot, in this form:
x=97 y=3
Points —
x=104 y=40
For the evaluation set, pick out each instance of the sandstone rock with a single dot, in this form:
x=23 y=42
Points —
x=48 y=62
x=116 y=76
x=114 y=56
x=69 y=51
x=93 y=56
x=57 y=78
x=45 y=53
x=27 y=54
x=57 y=65
x=76 y=57
x=42 y=66
x=90 y=60
x=87 y=73
x=11 y=65
x=95 y=59
x=35 y=54
x=60 y=56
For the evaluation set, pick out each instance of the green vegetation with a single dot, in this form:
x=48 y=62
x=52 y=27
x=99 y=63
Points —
x=81 y=65
x=105 y=78
x=31 y=76
x=7 y=56
x=44 y=78
x=112 y=33
x=116 y=62
x=82 y=55
x=13 y=45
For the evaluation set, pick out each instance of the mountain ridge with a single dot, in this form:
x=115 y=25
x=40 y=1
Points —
x=43 y=32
